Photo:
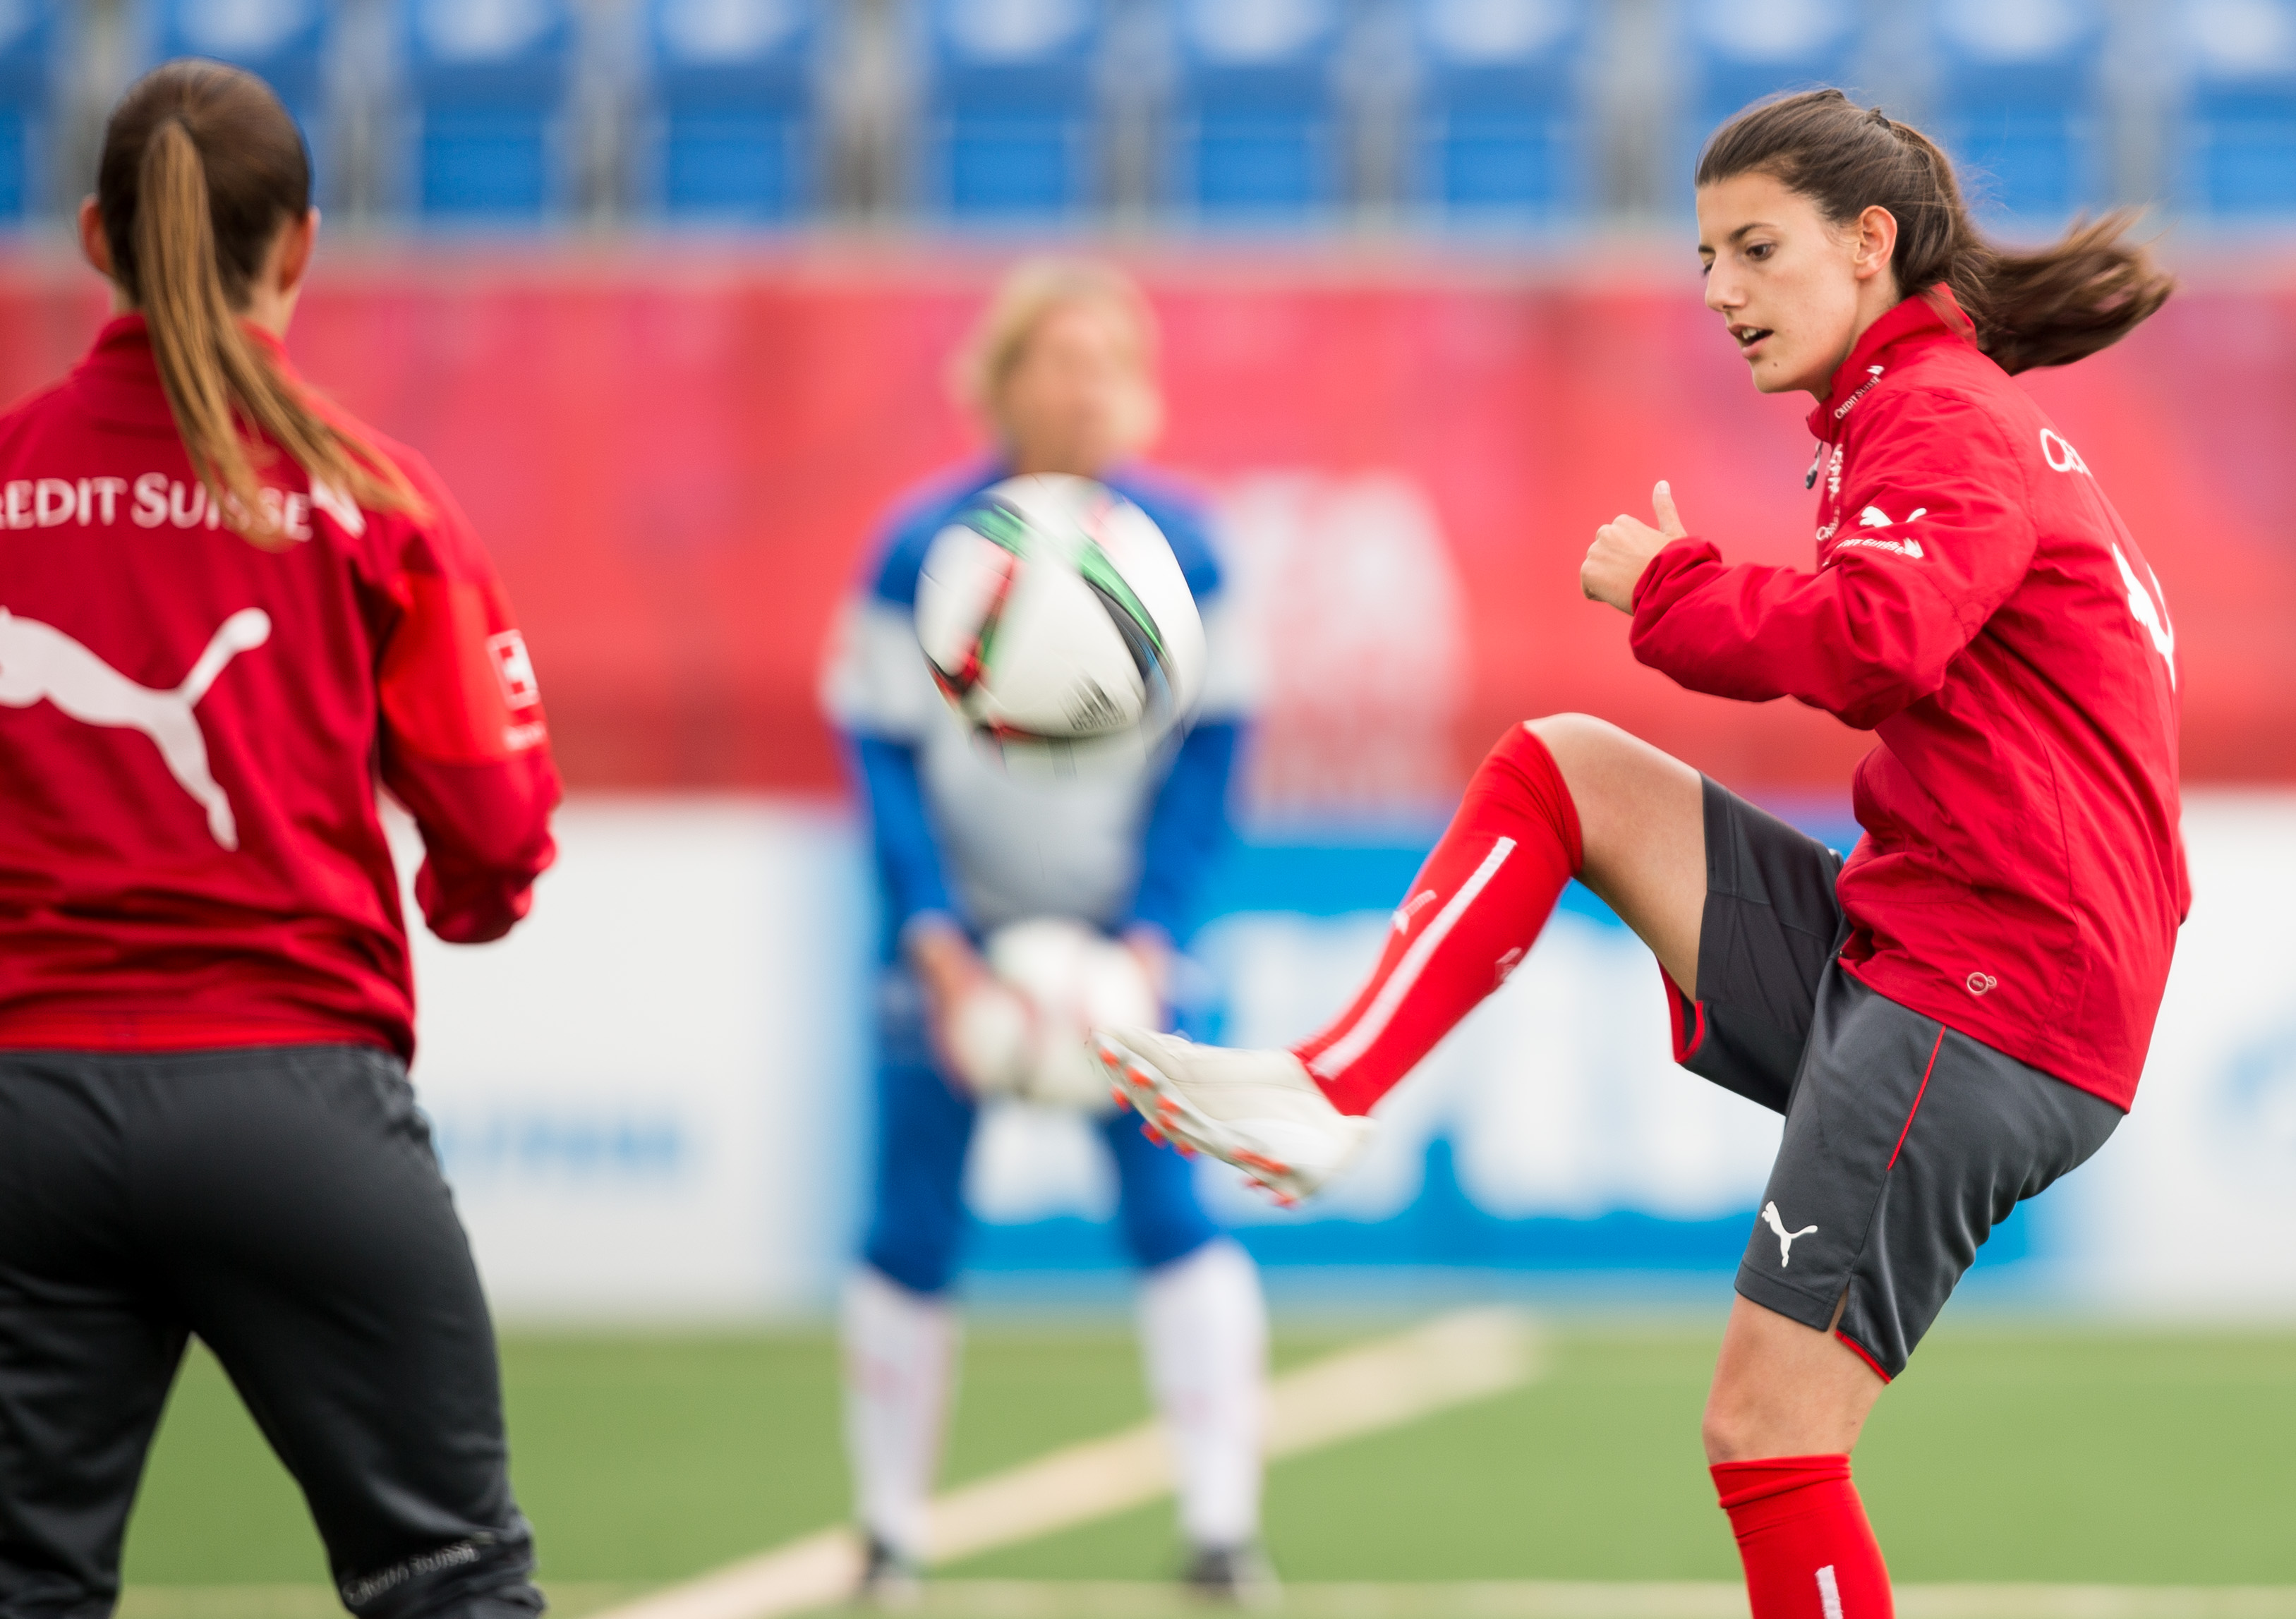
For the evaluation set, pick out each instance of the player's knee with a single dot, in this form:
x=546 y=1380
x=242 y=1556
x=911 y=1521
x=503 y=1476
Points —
x=1578 y=739
x=1726 y=1430
x=1738 y=1421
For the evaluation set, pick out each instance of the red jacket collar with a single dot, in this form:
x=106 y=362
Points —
x=120 y=381
x=1930 y=315
x=125 y=340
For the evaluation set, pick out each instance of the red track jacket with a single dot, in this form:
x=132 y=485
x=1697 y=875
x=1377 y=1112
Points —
x=1979 y=607
x=193 y=727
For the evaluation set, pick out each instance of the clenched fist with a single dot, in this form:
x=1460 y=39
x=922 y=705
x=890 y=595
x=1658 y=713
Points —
x=1624 y=546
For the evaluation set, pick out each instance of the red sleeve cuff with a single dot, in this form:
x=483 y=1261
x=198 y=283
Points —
x=1675 y=555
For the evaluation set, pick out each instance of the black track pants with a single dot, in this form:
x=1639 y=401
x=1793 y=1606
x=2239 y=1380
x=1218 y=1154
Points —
x=284 y=1204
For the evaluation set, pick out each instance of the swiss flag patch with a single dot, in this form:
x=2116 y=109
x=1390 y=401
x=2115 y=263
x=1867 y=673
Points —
x=514 y=669
x=455 y=689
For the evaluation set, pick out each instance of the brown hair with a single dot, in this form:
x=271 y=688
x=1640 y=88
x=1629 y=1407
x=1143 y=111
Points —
x=201 y=168
x=2046 y=307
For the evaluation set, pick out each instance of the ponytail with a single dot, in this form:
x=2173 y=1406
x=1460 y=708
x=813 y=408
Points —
x=202 y=169
x=2049 y=307
x=2063 y=302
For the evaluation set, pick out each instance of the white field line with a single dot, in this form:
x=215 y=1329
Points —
x=1454 y=1359
x=1590 y=1600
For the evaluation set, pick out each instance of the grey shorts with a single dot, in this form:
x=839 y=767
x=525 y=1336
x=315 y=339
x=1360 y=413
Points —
x=1905 y=1142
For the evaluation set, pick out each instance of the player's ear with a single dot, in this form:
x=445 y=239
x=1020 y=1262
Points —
x=94 y=244
x=298 y=240
x=1877 y=242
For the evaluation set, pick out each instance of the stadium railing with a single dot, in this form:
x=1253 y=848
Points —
x=1255 y=114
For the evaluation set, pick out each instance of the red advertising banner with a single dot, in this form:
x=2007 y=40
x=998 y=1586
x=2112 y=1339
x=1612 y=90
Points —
x=677 y=457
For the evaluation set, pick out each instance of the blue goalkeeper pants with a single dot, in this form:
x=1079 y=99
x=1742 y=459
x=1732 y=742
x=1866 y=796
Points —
x=924 y=1129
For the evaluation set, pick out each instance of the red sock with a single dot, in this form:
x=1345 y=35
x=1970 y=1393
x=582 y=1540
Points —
x=1469 y=918
x=1802 y=1534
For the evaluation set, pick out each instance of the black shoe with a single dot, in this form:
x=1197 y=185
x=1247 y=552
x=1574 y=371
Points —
x=1238 y=1576
x=888 y=1579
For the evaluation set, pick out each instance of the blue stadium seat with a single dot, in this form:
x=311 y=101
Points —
x=489 y=81
x=285 y=42
x=1011 y=113
x=1256 y=126
x=733 y=98
x=2017 y=103
x=1741 y=51
x=26 y=29
x=2240 y=127
x=1498 y=118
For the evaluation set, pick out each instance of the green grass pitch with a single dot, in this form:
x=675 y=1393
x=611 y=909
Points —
x=2007 y=1453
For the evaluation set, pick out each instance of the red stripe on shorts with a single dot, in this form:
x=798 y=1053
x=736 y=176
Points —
x=1917 y=1107
x=1858 y=1350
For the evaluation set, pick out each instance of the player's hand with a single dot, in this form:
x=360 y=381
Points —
x=1624 y=546
x=1151 y=947
x=969 y=1017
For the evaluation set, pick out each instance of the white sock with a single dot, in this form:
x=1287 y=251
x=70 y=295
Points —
x=1203 y=1332
x=901 y=1363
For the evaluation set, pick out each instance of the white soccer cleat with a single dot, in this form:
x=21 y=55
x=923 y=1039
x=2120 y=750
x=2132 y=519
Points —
x=1258 y=1110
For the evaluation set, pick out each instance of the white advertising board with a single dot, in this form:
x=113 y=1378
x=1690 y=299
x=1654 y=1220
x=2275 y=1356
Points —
x=652 y=1098
x=2191 y=1207
x=645 y=1097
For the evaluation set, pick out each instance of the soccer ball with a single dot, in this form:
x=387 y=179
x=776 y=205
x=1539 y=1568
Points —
x=1073 y=980
x=1054 y=617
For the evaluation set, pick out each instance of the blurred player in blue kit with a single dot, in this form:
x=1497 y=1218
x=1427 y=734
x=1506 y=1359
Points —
x=1060 y=370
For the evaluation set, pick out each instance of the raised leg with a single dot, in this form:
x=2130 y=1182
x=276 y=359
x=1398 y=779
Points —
x=1559 y=797
x=1642 y=833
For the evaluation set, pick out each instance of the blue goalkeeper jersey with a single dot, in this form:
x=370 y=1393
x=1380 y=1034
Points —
x=957 y=834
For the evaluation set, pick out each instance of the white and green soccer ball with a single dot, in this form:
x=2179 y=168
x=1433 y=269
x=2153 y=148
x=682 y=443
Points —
x=1056 y=620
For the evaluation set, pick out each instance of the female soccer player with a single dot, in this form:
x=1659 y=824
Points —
x=1957 y=1015
x=1061 y=371
x=228 y=615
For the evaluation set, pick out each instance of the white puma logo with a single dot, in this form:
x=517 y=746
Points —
x=1785 y=1236
x=1410 y=908
x=2149 y=614
x=38 y=660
